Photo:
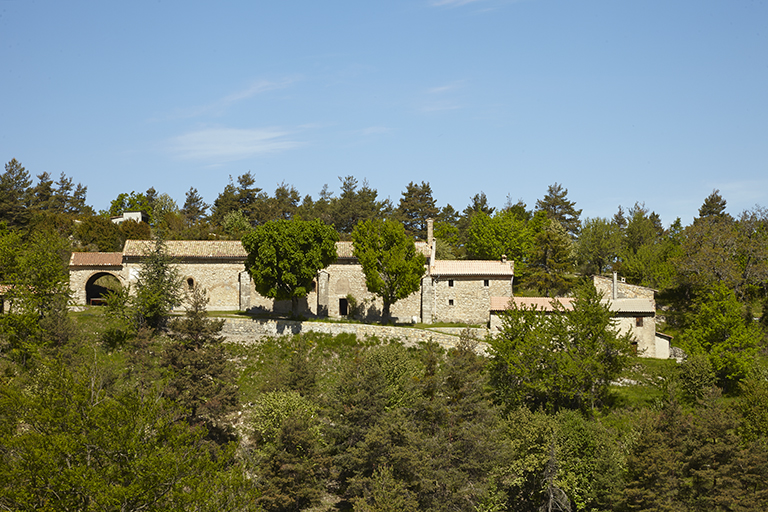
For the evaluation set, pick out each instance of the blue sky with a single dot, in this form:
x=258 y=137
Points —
x=621 y=102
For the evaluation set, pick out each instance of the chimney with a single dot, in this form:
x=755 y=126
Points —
x=615 y=285
x=503 y=258
x=430 y=231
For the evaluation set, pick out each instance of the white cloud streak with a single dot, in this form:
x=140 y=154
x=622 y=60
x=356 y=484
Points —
x=221 y=105
x=230 y=144
x=452 y=3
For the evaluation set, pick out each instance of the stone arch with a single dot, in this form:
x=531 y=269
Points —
x=96 y=287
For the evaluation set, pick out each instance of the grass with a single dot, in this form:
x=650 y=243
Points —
x=646 y=383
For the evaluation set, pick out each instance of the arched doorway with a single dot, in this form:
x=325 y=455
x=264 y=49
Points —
x=98 y=286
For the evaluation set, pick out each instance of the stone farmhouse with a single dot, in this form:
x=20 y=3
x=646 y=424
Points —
x=451 y=291
x=468 y=291
x=634 y=309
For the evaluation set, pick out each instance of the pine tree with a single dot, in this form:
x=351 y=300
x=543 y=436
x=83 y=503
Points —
x=416 y=206
x=557 y=207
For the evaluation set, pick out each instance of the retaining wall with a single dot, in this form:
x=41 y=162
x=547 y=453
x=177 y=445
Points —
x=246 y=330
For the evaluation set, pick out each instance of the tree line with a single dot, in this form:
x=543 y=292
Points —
x=127 y=407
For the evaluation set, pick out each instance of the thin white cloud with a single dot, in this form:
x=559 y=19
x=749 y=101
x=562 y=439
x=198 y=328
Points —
x=230 y=144
x=446 y=88
x=220 y=105
x=452 y=3
x=440 y=106
x=373 y=130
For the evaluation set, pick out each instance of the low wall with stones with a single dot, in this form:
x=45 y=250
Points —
x=247 y=330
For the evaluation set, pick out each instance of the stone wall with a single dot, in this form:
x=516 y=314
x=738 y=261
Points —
x=246 y=330
x=624 y=290
x=221 y=280
x=465 y=299
x=347 y=278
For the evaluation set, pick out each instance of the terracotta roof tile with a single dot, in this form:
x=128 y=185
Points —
x=545 y=304
x=96 y=259
x=472 y=268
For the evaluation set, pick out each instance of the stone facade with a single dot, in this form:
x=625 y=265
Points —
x=450 y=292
x=634 y=309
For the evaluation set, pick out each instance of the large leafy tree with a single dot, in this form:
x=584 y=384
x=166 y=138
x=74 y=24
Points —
x=285 y=255
x=391 y=264
x=37 y=281
x=720 y=331
x=598 y=246
x=564 y=359
x=490 y=237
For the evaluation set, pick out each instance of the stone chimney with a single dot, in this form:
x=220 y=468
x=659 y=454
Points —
x=503 y=258
x=614 y=291
x=431 y=242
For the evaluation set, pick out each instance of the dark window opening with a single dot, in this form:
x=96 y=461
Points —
x=450 y=283
x=450 y=302
x=343 y=307
x=190 y=283
x=486 y=283
x=639 y=321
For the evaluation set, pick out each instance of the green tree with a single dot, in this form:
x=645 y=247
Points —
x=97 y=233
x=133 y=202
x=558 y=207
x=720 y=331
x=288 y=452
x=35 y=274
x=194 y=207
x=15 y=194
x=158 y=286
x=598 y=246
x=565 y=359
x=391 y=264
x=416 y=206
x=488 y=238
x=355 y=205
x=86 y=446
x=551 y=259
x=202 y=379
x=714 y=205
x=284 y=257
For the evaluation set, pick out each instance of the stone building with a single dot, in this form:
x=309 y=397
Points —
x=634 y=309
x=451 y=291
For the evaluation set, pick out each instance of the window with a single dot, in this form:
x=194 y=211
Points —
x=450 y=283
x=450 y=302
x=190 y=284
x=486 y=282
x=343 y=307
x=639 y=321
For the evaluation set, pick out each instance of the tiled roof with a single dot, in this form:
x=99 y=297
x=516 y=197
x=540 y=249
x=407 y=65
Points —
x=189 y=248
x=96 y=259
x=345 y=249
x=631 y=305
x=471 y=268
x=545 y=304
x=540 y=303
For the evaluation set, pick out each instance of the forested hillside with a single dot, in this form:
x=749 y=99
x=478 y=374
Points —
x=126 y=407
